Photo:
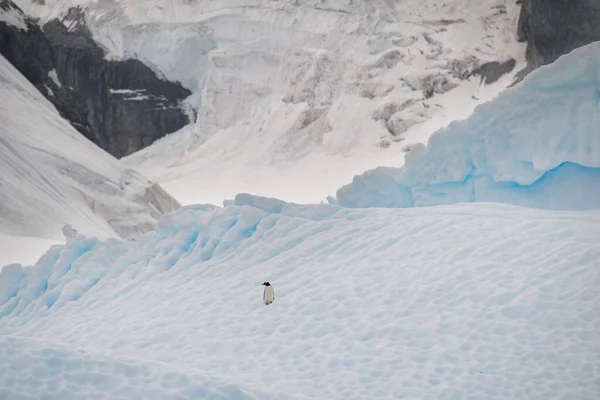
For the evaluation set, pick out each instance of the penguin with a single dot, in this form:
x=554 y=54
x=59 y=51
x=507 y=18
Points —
x=268 y=294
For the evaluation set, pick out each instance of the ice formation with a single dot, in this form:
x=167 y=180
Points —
x=537 y=145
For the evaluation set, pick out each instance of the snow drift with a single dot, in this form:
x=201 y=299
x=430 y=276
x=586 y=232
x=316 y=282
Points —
x=51 y=175
x=65 y=373
x=462 y=301
x=537 y=144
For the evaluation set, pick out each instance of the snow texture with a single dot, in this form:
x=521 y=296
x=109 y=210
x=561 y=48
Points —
x=54 y=77
x=287 y=91
x=29 y=367
x=12 y=17
x=537 y=144
x=136 y=95
x=51 y=175
x=471 y=301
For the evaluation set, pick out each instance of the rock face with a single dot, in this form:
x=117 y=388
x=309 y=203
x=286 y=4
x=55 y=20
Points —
x=556 y=27
x=30 y=52
x=122 y=106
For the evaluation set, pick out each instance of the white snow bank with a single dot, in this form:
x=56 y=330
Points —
x=50 y=175
x=537 y=144
x=29 y=368
x=465 y=301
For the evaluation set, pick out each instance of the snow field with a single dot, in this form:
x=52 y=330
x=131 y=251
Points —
x=33 y=370
x=464 y=301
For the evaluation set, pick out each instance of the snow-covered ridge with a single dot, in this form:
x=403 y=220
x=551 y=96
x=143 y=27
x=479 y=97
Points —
x=537 y=144
x=51 y=175
x=302 y=90
x=371 y=304
x=12 y=16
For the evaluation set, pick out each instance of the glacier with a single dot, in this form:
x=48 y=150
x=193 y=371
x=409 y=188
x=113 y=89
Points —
x=461 y=301
x=298 y=90
x=536 y=145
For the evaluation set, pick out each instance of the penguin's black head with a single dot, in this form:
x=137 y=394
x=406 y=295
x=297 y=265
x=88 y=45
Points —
x=266 y=284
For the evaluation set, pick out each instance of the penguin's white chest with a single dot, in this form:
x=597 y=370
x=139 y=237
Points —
x=269 y=294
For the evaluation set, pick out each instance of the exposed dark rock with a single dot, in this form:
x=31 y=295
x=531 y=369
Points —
x=122 y=106
x=552 y=28
x=31 y=53
x=490 y=72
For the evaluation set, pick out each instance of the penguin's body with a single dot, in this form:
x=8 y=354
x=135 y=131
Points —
x=268 y=294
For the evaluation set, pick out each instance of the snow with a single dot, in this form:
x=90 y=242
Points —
x=462 y=301
x=69 y=374
x=52 y=74
x=12 y=17
x=126 y=91
x=51 y=175
x=286 y=91
x=537 y=144
x=136 y=95
x=459 y=301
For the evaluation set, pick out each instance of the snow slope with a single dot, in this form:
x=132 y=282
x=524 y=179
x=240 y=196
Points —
x=51 y=175
x=60 y=371
x=482 y=301
x=298 y=91
x=537 y=144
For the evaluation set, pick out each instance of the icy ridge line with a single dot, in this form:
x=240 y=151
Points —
x=68 y=272
x=535 y=145
x=194 y=234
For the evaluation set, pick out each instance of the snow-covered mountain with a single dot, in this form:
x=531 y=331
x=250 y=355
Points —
x=51 y=175
x=453 y=301
x=122 y=106
x=295 y=92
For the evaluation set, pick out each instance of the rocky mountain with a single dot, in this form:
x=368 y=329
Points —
x=556 y=27
x=122 y=106
x=281 y=89
x=24 y=45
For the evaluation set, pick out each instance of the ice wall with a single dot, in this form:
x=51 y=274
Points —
x=537 y=145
